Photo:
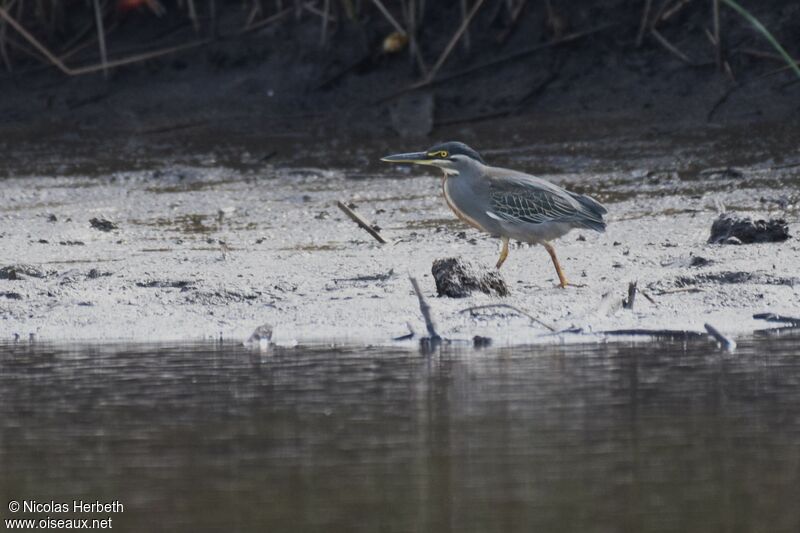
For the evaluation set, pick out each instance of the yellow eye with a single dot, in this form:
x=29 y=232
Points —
x=443 y=154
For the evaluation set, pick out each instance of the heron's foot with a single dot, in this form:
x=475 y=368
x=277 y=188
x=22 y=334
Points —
x=566 y=284
x=503 y=254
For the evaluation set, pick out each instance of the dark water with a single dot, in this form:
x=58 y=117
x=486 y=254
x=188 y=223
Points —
x=610 y=438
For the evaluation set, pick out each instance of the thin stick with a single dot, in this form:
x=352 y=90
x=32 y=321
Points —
x=268 y=20
x=326 y=11
x=648 y=297
x=463 y=5
x=674 y=9
x=648 y=5
x=717 y=43
x=765 y=55
x=721 y=100
x=388 y=16
x=101 y=36
x=682 y=289
x=193 y=16
x=507 y=306
x=425 y=309
x=454 y=40
x=515 y=14
x=34 y=42
x=670 y=47
x=137 y=58
x=362 y=222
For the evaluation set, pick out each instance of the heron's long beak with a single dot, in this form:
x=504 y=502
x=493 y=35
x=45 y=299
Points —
x=420 y=158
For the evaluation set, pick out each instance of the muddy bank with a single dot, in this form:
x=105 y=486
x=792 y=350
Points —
x=283 y=80
x=210 y=251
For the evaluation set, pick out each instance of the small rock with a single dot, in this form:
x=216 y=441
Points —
x=11 y=295
x=747 y=231
x=457 y=278
x=723 y=172
x=52 y=218
x=698 y=261
x=102 y=224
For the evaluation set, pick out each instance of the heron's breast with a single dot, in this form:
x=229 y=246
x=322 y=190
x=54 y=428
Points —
x=459 y=202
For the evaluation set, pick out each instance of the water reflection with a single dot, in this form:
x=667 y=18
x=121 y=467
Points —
x=640 y=438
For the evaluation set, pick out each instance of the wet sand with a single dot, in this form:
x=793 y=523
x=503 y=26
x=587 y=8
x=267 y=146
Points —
x=293 y=260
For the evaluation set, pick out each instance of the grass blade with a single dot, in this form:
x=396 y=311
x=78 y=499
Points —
x=765 y=32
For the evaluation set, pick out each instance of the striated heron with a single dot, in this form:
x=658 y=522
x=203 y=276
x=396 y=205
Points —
x=506 y=203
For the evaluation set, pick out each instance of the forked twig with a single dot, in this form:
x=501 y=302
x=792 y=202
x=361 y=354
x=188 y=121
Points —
x=670 y=47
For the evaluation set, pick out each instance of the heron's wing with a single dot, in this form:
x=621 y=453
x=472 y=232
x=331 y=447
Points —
x=531 y=200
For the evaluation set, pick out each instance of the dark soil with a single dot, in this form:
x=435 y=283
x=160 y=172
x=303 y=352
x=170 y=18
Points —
x=282 y=81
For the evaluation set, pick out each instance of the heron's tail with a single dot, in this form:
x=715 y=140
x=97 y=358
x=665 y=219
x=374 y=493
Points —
x=592 y=212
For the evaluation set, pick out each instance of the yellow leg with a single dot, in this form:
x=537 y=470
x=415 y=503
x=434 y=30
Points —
x=503 y=252
x=552 y=251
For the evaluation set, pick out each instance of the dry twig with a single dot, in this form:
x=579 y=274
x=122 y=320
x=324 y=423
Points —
x=507 y=306
x=362 y=222
x=454 y=40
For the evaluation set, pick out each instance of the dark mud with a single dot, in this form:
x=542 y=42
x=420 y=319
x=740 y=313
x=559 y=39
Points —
x=280 y=88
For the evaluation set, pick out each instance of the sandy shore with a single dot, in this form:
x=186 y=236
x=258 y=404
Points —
x=293 y=260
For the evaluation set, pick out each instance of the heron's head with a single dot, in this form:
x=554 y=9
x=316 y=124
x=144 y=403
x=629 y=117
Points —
x=451 y=157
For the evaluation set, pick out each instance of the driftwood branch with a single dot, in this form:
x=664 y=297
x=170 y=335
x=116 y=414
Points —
x=362 y=222
x=772 y=317
x=628 y=303
x=666 y=334
x=726 y=343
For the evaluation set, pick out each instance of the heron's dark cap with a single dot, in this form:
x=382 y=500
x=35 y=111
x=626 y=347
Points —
x=456 y=148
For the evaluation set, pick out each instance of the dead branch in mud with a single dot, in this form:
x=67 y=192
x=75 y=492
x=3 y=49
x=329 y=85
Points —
x=425 y=309
x=362 y=222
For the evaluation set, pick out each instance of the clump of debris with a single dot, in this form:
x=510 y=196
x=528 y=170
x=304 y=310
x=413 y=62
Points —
x=103 y=224
x=730 y=229
x=457 y=278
